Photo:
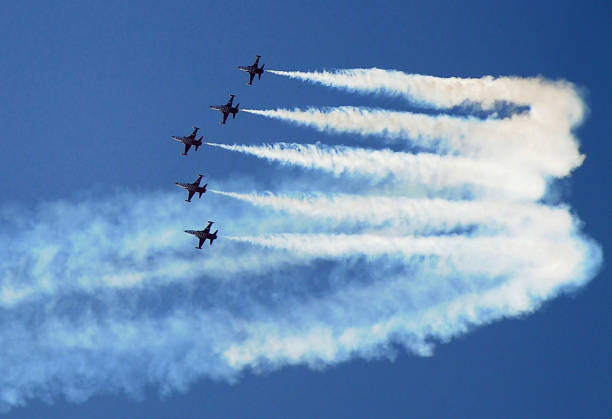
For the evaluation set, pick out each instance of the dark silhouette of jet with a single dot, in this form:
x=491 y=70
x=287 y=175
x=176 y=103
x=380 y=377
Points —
x=193 y=188
x=252 y=69
x=226 y=109
x=204 y=235
x=189 y=141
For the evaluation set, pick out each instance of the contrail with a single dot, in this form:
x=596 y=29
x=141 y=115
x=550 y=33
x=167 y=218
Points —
x=417 y=214
x=551 y=150
x=434 y=171
x=107 y=294
x=499 y=253
x=549 y=100
x=521 y=292
x=92 y=276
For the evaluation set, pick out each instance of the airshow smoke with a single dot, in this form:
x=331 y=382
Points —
x=108 y=295
x=548 y=148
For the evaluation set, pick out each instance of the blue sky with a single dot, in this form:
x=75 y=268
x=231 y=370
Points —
x=92 y=92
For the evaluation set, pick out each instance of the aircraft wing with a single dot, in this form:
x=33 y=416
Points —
x=187 y=147
x=190 y=196
x=251 y=75
x=225 y=115
x=256 y=63
x=195 y=131
x=231 y=100
x=201 y=242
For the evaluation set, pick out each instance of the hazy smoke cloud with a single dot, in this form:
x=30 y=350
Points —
x=108 y=294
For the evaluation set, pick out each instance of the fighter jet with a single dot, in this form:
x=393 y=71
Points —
x=189 y=141
x=193 y=188
x=252 y=69
x=204 y=235
x=226 y=109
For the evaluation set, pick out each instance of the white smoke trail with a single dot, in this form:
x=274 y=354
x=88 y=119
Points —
x=555 y=102
x=492 y=255
x=551 y=150
x=522 y=292
x=436 y=172
x=106 y=264
x=418 y=215
x=523 y=288
x=109 y=294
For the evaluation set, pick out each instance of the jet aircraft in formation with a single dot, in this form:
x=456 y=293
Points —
x=193 y=188
x=204 y=235
x=189 y=140
x=226 y=109
x=253 y=69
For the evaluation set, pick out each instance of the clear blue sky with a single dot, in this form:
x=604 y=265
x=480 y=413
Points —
x=91 y=92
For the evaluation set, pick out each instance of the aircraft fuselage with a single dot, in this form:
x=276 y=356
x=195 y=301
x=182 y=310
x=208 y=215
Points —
x=185 y=140
x=227 y=109
x=203 y=235
x=253 y=69
x=250 y=69
x=191 y=187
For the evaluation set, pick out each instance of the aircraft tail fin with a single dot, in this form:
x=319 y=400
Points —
x=262 y=70
x=199 y=143
x=203 y=191
x=213 y=237
x=234 y=114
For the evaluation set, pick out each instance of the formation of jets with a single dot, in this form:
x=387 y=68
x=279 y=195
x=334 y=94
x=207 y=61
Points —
x=190 y=140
